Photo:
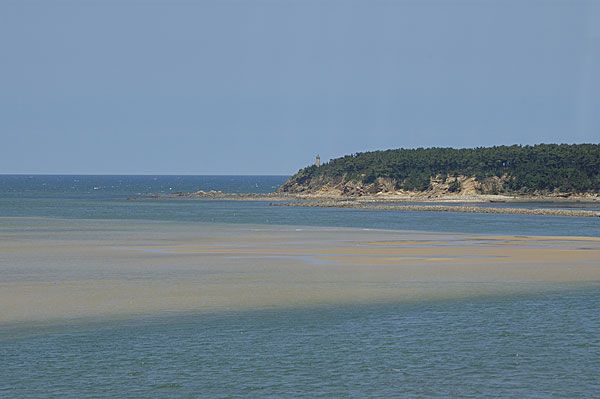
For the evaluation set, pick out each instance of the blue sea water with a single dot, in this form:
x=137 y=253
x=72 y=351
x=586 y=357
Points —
x=123 y=197
x=542 y=345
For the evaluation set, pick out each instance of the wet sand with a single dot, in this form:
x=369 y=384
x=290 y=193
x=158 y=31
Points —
x=53 y=270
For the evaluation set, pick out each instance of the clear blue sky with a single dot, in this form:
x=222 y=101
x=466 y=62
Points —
x=260 y=87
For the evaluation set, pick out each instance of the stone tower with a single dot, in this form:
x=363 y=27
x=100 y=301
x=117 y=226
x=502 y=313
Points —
x=318 y=161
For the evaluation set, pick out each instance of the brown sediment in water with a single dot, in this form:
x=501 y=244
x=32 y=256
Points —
x=83 y=268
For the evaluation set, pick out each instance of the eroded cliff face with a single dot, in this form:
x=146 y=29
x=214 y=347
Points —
x=342 y=186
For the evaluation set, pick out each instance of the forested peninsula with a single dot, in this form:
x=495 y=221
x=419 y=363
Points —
x=543 y=169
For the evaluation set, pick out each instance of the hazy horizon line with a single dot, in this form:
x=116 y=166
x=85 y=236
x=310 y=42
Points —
x=139 y=174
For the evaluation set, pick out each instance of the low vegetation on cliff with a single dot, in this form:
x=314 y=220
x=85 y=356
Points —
x=542 y=168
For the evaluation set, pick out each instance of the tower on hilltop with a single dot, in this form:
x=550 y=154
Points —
x=318 y=161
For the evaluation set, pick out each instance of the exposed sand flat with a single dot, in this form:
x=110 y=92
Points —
x=59 y=269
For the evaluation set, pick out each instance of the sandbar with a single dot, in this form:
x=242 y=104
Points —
x=58 y=269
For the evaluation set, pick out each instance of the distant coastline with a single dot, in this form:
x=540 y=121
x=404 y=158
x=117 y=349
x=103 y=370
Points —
x=543 y=171
x=404 y=202
x=441 y=180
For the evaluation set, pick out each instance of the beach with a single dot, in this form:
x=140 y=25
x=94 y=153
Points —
x=57 y=270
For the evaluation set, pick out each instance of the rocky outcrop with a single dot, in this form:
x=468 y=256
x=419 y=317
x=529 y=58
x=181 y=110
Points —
x=438 y=186
x=443 y=208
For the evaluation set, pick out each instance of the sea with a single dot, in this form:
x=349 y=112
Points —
x=538 y=345
x=130 y=198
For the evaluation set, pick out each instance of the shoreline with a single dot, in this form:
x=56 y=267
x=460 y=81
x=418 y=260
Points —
x=445 y=208
x=379 y=197
x=389 y=202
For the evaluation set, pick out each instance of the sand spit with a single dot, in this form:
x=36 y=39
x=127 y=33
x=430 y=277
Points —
x=53 y=270
x=443 y=208
x=383 y=197
x=390 y=202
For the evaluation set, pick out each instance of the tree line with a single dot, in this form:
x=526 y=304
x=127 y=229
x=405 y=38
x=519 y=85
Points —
x=542 y=167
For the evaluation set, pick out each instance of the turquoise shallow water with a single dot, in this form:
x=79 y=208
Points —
x=540 y=346
x=543 y=345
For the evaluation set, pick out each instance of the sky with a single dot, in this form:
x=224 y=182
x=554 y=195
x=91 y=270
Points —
x=261 y=87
